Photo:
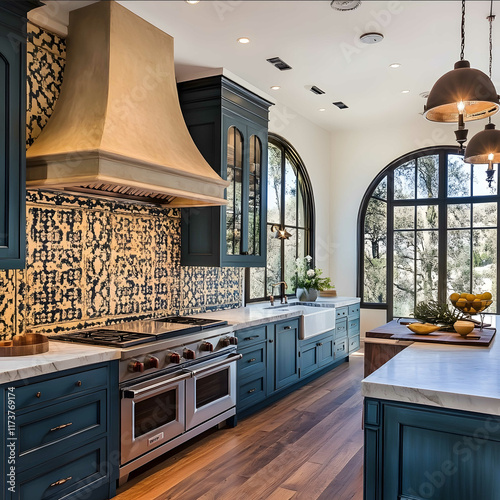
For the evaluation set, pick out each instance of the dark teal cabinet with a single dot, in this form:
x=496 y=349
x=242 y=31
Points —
x=415 y=452
x=282 y=355
x=229 y=126
x=347 y=331
x=12 y=132
x=61 y=435
x=316 y=353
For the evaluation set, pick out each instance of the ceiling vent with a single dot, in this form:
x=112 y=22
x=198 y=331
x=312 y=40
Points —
x=279 y=63
x=345 y=5
x=340 y=105
x=316 y=90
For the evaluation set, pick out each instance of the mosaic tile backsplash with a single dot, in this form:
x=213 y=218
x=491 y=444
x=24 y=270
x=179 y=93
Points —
x=94 y=262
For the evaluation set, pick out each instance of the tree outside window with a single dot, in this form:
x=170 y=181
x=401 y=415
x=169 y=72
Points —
x=428 y=227
x=290 y=207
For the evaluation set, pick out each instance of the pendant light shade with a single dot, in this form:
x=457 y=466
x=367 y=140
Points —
x=484 y=147
x=464 y=85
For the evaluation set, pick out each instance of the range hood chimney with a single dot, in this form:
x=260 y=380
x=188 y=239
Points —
x=117 y=129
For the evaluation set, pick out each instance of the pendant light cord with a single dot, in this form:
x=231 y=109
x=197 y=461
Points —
x=491 y=18
x=462 y=52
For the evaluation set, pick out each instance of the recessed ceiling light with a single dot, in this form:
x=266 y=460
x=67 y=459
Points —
x=321 y=109
x=395 y=65
x=275 y=87
x=244 y=39
x=405 y=91
x=192 y=2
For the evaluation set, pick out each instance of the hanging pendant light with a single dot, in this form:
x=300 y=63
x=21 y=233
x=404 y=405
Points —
x=484 y=147
x=462 y=95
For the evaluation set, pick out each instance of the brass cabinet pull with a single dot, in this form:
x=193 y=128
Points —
x=251 y=360
x=271 y=341
x=287 y=328
x=38 y=394
x=319 y=344
x=59 y=427
x=250 y=391
x=79 y=383
x=253 y=337
x=61 y=481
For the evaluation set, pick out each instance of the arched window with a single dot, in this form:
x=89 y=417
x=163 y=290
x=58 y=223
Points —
x=428 y=226
x=290 y=206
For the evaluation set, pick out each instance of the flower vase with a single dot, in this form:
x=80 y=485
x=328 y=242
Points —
x=307 y=294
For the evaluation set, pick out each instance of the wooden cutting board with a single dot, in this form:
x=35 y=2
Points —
x=395 y=331
x=449 y=337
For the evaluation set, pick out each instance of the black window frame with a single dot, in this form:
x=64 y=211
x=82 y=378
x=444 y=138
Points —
x=309 y=209
x=442 y=201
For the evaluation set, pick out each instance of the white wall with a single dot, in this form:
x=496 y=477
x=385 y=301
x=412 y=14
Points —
x=357 y=157
x=313 y=144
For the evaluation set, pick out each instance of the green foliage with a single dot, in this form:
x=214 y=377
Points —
x=308 y=277
x=438 y=314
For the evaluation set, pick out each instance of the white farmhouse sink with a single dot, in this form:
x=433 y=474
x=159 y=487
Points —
x=313 y=320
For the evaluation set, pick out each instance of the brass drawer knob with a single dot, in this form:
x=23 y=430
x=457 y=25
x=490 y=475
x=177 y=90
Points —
x=38 y=394
x=59 y=427
x=61 y=481
x=79 y=383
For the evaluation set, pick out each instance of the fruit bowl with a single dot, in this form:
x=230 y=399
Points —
x=470 y=303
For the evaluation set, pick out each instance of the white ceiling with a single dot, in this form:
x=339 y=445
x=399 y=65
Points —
x=322 y=47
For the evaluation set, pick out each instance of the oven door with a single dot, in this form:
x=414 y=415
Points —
x=152 y=413
x=211 y=390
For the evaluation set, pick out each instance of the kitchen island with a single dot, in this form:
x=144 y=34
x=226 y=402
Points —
x=432 y=424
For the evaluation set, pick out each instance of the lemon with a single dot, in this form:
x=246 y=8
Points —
x=461 y=302
x=470 y=297
x=487 y=296
x=463 y=295
x=476 y=304
x=454 y=297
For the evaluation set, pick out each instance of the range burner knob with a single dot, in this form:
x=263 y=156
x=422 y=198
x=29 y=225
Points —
x=227 y=341
x=189 y=354
x=136 y=366
x=207 y=346
x=174 y=357
x=152 y=362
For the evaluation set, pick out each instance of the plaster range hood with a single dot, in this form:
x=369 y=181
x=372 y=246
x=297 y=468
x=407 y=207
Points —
x=117 y=128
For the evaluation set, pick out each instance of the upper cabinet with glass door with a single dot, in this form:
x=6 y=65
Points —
x=229 y=125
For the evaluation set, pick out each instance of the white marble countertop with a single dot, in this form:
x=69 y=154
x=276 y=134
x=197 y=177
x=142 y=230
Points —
x=60 y=356
x=262 y=312
x=66 y=355
x=448 y=376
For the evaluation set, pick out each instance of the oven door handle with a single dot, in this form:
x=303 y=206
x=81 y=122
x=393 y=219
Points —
x=132 y=394
x=230 y=359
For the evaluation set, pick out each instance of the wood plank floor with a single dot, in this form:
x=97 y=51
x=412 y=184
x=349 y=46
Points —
x=307 y=446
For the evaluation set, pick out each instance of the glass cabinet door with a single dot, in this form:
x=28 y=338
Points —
x=234 y=209
x=254 y=198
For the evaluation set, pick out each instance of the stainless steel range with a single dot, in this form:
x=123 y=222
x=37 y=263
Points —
x=177 y=379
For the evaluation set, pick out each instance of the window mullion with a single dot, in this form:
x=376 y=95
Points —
x=442 y=227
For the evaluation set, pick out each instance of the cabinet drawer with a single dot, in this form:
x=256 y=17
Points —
x=353 y=327
x=47 y=432
x=251 y=391
x=251 y=336
x=341 y=328
x=65 y=475
x=253 y=360
x=340 y=348
x=341 y=312
x=353 y=344
x=353 y=311
x=40 y=392
x=287 y=325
